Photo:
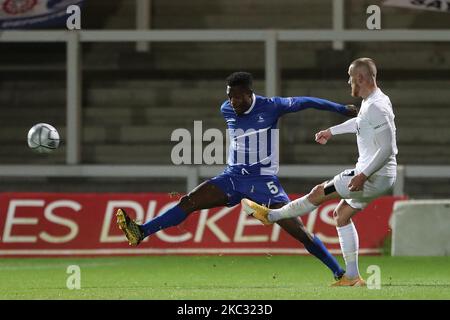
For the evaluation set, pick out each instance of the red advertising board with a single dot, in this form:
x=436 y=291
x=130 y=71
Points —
x=59 y=224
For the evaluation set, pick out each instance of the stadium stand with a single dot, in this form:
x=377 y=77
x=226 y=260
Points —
x=133 y=101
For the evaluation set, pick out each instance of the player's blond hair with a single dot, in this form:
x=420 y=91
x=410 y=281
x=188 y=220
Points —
x=367 y=66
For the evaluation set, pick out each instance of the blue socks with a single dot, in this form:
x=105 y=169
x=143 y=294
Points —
x=317 y=248
x=170 y=218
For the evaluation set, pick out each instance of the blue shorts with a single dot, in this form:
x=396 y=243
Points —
x=265 y=190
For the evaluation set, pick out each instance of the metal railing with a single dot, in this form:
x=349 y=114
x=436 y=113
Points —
x=194 y=174
x=270 y=38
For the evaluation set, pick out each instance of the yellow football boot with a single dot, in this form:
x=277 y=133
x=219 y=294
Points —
x=130 y=228
x=347 y=282
x=257 y=211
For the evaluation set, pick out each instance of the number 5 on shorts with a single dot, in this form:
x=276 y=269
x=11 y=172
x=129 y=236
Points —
x=272 y=187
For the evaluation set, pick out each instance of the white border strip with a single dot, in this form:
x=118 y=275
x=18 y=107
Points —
x=193 y=251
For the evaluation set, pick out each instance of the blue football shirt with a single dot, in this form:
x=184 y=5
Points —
x=254 y=136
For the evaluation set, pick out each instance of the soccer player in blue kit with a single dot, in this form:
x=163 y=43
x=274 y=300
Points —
x=252 y=166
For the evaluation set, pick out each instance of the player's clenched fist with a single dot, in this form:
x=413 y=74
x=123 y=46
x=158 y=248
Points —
x=323 y=136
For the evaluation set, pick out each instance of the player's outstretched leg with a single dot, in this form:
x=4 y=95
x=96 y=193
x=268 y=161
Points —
x=349 y=241
x=299 y=207
x=295 y=227
x=313 y=244
x=205 y=196
x=304 y=205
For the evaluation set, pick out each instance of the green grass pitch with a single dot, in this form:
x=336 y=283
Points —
x=218 y=277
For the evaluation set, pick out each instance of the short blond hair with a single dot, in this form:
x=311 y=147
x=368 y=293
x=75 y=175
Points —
x=367 y=65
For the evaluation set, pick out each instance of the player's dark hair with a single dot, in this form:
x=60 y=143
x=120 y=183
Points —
x=240 y=79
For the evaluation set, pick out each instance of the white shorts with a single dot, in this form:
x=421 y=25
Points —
x=374 y=187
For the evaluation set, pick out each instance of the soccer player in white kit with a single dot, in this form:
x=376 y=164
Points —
x=374 y=174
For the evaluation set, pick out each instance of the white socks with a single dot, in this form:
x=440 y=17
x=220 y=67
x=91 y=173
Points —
x=296 y=208
x=348 y=238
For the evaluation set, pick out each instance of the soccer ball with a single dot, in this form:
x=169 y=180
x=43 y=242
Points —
x=43 y=138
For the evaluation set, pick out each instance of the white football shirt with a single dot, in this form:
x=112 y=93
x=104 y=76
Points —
x=375 y=115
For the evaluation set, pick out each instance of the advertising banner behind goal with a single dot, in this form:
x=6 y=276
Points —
x=83 y=224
